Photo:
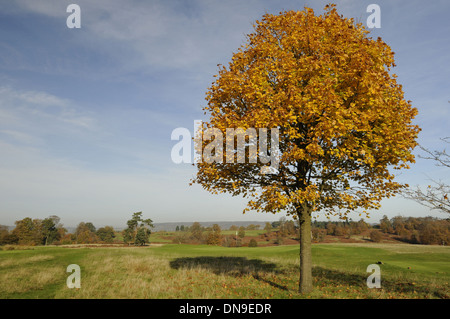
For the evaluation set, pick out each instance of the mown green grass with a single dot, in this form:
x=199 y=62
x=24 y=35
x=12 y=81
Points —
x=161 y=237
x=248 y=233
x=191 y=271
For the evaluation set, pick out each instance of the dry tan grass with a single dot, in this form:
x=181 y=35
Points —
x=7 y=263
x=139 y=273
x=21 y=280
x=38 y=258
x=15 y=262
x=140 y=276
x=16 y=247
x=131 y=276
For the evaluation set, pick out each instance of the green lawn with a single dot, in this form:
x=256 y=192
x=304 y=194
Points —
x=248 y=233
x=190 y=271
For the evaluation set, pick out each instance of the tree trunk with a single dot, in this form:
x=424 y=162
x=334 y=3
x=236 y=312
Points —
x=305 y=284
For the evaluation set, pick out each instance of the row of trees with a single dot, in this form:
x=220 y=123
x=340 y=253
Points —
x=198 y=234
x=49 y=231
x=415 y=230
x=420 y=230
x=342 y=228
x=86 y=233
x=212 y=235
x=232 y=227
x=33 y=232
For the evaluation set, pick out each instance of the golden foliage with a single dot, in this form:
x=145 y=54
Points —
x=342 y=117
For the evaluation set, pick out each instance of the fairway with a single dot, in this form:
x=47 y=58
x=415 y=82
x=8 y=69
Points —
x=190 y=271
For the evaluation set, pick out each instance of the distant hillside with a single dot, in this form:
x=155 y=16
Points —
x=224 y=225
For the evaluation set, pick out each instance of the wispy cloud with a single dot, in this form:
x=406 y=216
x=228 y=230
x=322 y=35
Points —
x=159 y=34
x=23 y=108
x=21 y=137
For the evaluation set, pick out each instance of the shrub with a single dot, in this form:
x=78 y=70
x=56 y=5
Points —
x=319 y=234
x=232 y=241
x=375 y=236
x=214 y=239
x=252 y=243
x=279 y=240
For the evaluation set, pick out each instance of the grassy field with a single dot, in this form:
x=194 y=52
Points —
x=190 y=271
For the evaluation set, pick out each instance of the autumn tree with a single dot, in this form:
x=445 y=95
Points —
x=196 y=231
x=362 y=226
x=268 y=228
x=288 y=228
x=85 y=233
x=282 y=230
x=342 y=119
x=215 y=236
x=6 y=237
x=376 y=236
x=28 y=231
x=385 y=224
x=318 y=234
x=241 y=232
x=253 y=243
x=106 y=234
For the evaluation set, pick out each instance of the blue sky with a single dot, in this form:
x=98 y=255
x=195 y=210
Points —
x=86 y=114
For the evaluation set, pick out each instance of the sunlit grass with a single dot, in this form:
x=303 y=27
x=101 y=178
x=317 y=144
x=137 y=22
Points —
x=189 y=271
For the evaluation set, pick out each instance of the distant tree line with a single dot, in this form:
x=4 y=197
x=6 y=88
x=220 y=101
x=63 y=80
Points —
x=209 y=228
x=212 y=235
x=50 y=231
x=344 y=229
x=198 y=234
x=414 y=230
x=33 y=232
x=418 y=230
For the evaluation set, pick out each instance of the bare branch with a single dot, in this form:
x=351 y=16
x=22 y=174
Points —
x=436 y=196
x=441 y=157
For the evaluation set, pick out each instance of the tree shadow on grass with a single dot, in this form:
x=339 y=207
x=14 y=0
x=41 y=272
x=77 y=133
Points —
x=388 y=285
x=232 y=266
x=338 y=277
